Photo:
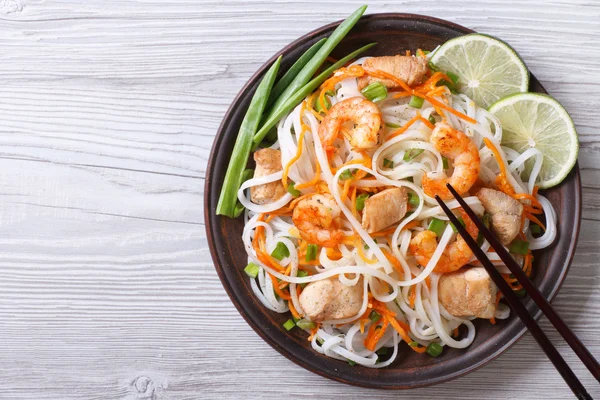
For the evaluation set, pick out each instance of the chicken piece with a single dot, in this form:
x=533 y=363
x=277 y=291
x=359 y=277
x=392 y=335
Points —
x=468 y=292
x=329 y=299
x=409 y=69
x=384 y=209
x=268 y=161
x=505 y=212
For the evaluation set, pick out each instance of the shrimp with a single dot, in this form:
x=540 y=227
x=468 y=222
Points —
x=456 y=146
x=318 y=219
x=359 y=117
x=455 y=255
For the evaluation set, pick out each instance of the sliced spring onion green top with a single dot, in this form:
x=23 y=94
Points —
x=434 y=349
x=445 y=163
x=360 y=201
x=437 y=226
x=292 y=189
x=311 y=252
x=305 y=324
x=519 y=247
x=299 y=95
x=281 y=251
x=375 y=92
x=412 y=153
x=374 y=316
x=452 y=76
x=243 y=144
x=535 y=228
x=413 y=199
x=347 y=174
x=252 y=270
x=416 y=102
x=291 y=73
x=388 y=163
x=289 y=324
x=302 y=274
x=432 y=119
x=454 y=228
x=392 y=125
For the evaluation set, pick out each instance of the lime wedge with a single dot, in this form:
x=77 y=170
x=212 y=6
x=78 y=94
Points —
x=537 y=120
x=488 y=69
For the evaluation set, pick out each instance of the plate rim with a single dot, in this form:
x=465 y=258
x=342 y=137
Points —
x=210 y=216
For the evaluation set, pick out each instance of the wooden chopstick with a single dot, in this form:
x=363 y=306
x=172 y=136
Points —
x=511 y=298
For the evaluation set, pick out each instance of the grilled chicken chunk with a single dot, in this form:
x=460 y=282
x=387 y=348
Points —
x=409 y=69
x=329 y=299
x=468 y=292
x=268 y=161
x=505 y=212
x=384 y=209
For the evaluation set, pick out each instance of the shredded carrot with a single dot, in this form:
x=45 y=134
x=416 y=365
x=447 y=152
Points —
x=407 y=52
x=313 y=181
x=451 y=110
x=313 y=332
x=403 y=330
x=375 y=334
x=279 y=292
x=404 y=128
x=430 y=84
x=399 y=95
x=360 y=250
x=420 y=53
x=393 y=260
x=293 y=310
x=412 y=296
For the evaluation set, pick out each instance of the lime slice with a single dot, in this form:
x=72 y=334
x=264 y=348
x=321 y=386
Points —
x=488 y=69
x=537 y=120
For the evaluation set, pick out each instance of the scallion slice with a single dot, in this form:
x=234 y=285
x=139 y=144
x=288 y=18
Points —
x=392 y=125
x=416 y=102
x=432 y=119
x=347 y=174
x=311 y=252
x=434 y=349
x=375 y=92
x=445 y=163
x=289 y=324
x=454 y=228
x=413 y=199
x=252 y=270
x=374 y=316
x=412 y=153
x=302 y=274
x=452 y=76
x=519 y=247
x=292 y=190
x=388 y=163
x=437 y=226
x=281 y=251
x=360 y=201
x=305 y=324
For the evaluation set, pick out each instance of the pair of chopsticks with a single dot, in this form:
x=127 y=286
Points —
x=513 y=301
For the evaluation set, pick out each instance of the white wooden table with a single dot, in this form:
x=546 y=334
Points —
x=108 y=109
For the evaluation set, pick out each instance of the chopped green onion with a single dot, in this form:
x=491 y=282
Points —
x=281 y=251
x=388 y=163
x=302 y=274
x=320 y=341
x=432 y=66
x=252 y=270
x=352 y=363
x=413 y=344
x=305 y=324
x=347 y=174
x=318 y=106
x=437 y=226
x=534 y=228
x=413 y=199
x=519 y=247
x=301 y=93
x=295 y=319
x=375 y=92
x=392 y=125
x=410 y=179
x=445 y=163
x=292 y=190
x=243 y=144
x=452 y=76
x=487 y=220
x=360 y=201
x=434 y=349
x=374 y=316
x=291 y=73
x=289 y=324
x=305 y=74
x=432 y=119
x=425 y=52
x=416 y=102
x=382 y=351
x=412 y=153
x=311 y=252
x=454 y=227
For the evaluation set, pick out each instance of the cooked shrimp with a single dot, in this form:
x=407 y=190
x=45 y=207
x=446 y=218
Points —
x=359 y=118
x=455 y=255
x=318 y=220
x=457 y=147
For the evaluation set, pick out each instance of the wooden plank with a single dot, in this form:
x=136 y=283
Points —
x=108 y=110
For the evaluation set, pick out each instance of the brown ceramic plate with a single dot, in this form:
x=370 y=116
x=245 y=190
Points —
x=394 y=33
